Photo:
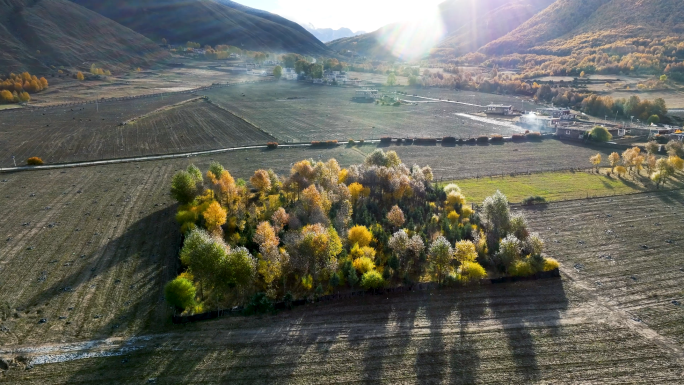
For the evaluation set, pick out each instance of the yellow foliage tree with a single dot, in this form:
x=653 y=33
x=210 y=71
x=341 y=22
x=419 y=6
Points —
x=359 y=235
x=24 y=97
x=614 y=159
x=357 y=191
x=214 y=217
x=79 y=75
x=465 y=251
x=620 y=170
x=261 y=181
x=596 y=161
x=6 y=96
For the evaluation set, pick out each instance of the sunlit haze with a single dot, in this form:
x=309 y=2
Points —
x=357 y=15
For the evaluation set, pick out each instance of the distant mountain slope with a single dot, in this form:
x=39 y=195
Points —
x=37 y=34
x=328 y=34
x=208 y=22
x=569 y=25
x=469 y=25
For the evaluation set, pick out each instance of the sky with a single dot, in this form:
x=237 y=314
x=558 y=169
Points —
x=357 y=15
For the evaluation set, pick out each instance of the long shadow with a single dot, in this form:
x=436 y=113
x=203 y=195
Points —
x=431 y=362
x=534 y=303
x=464 y=360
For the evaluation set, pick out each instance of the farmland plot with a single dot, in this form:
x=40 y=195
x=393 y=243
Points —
x=625 y=249
x=303 y=112
x=532 y=332
x=62 y=135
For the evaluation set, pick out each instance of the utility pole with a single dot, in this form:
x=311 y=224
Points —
x=14 y=160
x=631 y=122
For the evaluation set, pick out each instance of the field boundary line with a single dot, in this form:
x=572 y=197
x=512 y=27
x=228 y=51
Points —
x=160 y=109
x=152 y=157
x=240 y=117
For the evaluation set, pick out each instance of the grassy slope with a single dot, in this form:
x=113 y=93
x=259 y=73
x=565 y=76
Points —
x=557 y=186
x=208 y=22
x=34 y=35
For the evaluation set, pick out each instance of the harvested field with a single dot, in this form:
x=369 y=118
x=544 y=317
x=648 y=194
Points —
x=80 y=133
x=543 y=332
x=627 y=250
x=302 y=112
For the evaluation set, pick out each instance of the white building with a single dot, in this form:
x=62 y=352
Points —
x=499 y=109
x=560 y=113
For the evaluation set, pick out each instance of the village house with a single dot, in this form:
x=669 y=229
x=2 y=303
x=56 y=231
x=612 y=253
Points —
x=560 y=113
x=366 y=94
x=581 y=132
x=540 y=122
x=499 y=109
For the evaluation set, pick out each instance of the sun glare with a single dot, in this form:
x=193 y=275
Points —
x=413 y=39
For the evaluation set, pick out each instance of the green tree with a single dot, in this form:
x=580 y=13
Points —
x=195 y=173
x=600 y=134
x=183 y=187
x=663 y=78
x=372 y=280
x=653 y=119
x=317 y=71
x=180 y=293
x=278 y=72
x=391 y=79
x=236 y=269
x=216 y=169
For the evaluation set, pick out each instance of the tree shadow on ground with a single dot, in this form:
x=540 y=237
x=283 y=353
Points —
x=369 y=339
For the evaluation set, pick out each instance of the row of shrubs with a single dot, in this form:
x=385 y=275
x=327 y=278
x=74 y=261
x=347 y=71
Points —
x=454 y=140
x=325 y=143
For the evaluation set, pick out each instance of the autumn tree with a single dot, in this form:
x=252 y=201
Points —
x=675 y=148
x=6 y=96
x=214 y=217
x=271 y=259
x=372 y=280
x=652 y=147
x=440 y=255
x=359 y=235
x=79 y=75
x=180 y=293
x=396 y=217
x=261 y=181
x=614 y=159
x=464 y=251
x=24 y=97
x=596 y=161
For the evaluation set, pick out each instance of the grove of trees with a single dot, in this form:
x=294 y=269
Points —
x=324 y=228
x=16 y=88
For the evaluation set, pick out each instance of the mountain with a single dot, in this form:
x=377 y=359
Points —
x=467 y=26
x=36 y=34
x=328 y=34
x=569 y=25
x=209 y=22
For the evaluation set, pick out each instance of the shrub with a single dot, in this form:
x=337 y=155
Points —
x=351 y=142
x=471 y=271
x=600 y=134
x=408 y=141
x=425 y=141
x=482 y=139
x=386 y=139
x=448 y=140
x=399 y=140
x=534 y=200
x=372 y=280
x=361 y=141
x=497 y=139
x=521 y=268
x=259 y=304
x=180 y=293
x=471 y=141
x=518 y=137
x=550 y=264
x=533 y=135
x=34 y=161
x=272 y=145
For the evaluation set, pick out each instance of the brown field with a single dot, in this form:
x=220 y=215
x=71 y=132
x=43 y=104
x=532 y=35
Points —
x=79 y=133
x=625 y=249
x=302 y=112
x=96 y=244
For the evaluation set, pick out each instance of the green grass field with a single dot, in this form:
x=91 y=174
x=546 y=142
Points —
x=558 y=186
